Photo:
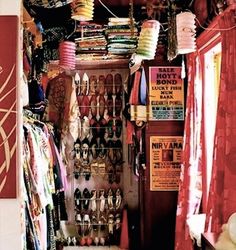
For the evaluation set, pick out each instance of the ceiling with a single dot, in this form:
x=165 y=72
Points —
x=51 y=17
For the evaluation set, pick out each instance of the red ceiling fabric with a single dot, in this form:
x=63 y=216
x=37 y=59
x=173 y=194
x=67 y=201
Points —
x=222 y=196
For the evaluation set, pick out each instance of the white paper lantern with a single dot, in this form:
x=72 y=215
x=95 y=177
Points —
x=82 y=10
x=67 y=55
x=186 y=32
x=148 y=39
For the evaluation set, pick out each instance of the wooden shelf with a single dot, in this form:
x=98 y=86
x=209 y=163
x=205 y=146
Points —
x=96 y=64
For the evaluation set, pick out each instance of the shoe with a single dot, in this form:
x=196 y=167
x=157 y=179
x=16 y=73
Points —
x=85 y=128
x=110 y=199
x=93 y=106
x=101 y=85
x=109 y=84
x=118 y=152
x=94 y=148
x=93 y=85
x=102 y=125
x=110 y=106
x=102 y=200
x=118 y=105
x=101 y=105
x=84 y=106
x=77 y=149
x=118 y=199
x=77 y=199
x=118 y=127
x=110 y=131
x=95 y=127
x=93 y=200
x=118 y=84
x=111 y=152
x=85 y=151
x=102 y=148
x=85 y=84
x=86 y=199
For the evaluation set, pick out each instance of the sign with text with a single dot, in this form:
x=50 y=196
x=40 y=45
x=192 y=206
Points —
x=166 y=93
x=165 y=162
x=8 y=105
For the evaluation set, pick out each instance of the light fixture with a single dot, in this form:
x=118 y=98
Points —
x=82 y=10
x=186 y=32
x=148 y=39
x=67 y=55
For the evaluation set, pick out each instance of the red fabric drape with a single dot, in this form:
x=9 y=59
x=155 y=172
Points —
x=190 y=189
x=222 y=196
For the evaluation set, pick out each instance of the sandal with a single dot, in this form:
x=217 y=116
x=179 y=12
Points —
x=93 y=105
x=93 y=85
x=118 y=84
x=101 y=85
x=109 y=84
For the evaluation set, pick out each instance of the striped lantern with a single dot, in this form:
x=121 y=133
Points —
x=186 y=32
x=148 y=39
x=82 y=10
x=67 y=55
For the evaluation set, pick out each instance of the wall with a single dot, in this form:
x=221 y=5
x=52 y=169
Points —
x=10 y=228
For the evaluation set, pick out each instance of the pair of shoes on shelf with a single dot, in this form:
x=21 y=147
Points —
x=114 y=128
x=110 y=81
x=82 y=200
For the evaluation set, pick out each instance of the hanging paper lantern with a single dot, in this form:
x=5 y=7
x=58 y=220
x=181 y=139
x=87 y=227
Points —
x=186 y=32
x=67 y=55
x=148 y=39
x=82 y=10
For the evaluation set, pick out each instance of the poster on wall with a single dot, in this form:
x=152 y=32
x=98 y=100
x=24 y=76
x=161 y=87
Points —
x=166 y=93
x=8 y=52
x=165 y=162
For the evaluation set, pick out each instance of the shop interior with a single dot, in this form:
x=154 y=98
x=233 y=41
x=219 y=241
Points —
x=124 y=119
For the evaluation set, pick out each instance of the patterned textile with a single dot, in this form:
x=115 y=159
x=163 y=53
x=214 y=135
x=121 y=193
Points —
x=190 y=187
x=48 y=3
x=222 y=195
x=58 y=93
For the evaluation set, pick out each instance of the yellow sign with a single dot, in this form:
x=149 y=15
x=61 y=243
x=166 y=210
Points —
x=166 y=93
x=165 y=162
